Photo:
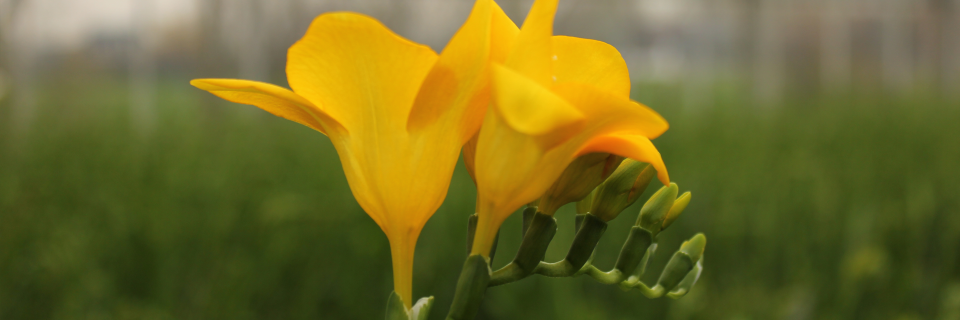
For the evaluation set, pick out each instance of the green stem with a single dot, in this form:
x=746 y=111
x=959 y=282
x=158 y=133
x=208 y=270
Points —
x=563 y=268
x=611 y=277
x=633 y=282
x=509 y=273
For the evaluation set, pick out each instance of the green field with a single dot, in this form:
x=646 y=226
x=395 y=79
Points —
x=824 y=207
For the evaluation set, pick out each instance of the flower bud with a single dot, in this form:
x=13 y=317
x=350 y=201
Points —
x=687 y=283
x=682 y=262
x=578 y=180
x=655 y=210
x=621 y=189
x=676 y=209
x=694 y=247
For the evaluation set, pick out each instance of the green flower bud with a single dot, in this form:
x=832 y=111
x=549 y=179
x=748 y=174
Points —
x=621 y=189
x=655 y=210
x=682 y=262
x=676 y=209
x=687 y=283
x=578 y=180
x=694 y=247
x=677 y=268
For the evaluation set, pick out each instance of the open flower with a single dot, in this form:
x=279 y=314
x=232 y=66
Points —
x=555 y=98
x=396 y=112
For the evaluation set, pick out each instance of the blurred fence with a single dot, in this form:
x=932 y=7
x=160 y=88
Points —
x=772 y=47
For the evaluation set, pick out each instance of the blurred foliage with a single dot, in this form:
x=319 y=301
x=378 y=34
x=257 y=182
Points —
x=825 y=207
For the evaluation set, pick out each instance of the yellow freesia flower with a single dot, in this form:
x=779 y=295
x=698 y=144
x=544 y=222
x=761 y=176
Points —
x=396 y=112
x=554 y=99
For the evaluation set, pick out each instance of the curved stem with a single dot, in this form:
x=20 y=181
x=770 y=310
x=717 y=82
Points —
x=509 y=273
x=634 y=282
x=611 y=277
x=563 y=268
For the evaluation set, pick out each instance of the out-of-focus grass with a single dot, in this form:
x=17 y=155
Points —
x=828 y=207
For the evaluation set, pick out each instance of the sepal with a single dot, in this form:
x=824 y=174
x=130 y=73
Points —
x=535 y=242
x=528 y=213
x=421 y=310
x=588 y=234
x=396 y=310
x=470 y=288
x=634 y=250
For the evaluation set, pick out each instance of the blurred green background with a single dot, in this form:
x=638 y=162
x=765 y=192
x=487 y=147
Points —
x=818 y=203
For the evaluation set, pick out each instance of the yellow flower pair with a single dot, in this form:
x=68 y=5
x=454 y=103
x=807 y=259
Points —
x=398 y=114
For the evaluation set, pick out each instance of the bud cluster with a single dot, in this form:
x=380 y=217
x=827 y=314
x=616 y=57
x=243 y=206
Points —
x=605 y=186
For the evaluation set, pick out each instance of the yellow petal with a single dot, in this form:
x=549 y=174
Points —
x=532 y=55
x=274 y=99
x=364 y=75
x=503 y=35
x=469 y=156
x=532 y=109
x=636 y=147
x=607 y=111
x=591 y=62
x=504 y=158
x=458 y=85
